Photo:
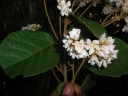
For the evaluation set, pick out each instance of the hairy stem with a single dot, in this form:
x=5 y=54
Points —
x=77 y=71
x=49 y=20
x=78 y=7
x=60 y=26
x=59 y=69
x=72 y=69
x=65 y=72
x=55 y=76
x=66 y=22
x=104 y=21
x=110 y=23
x=88 y=8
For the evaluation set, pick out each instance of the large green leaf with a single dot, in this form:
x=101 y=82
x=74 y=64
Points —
x=118 y=66
x=27 y=53
x=89 y=26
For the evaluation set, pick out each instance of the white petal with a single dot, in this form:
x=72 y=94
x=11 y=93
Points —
x=103 y=35
x=104 y=63
x=59 y=7
x=88 y=41
x=95 y=41
x=63 y=2
x=87 y=47
x=64 y=40
x=97 y=47
x=62 y=13
x=68 y=4
x=99 y=64
x=91 y=51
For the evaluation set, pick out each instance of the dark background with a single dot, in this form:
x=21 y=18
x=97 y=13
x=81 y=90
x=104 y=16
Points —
x=15 y=14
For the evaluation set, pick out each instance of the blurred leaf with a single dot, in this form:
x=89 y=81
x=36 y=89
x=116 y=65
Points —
x=27 y=53
x=89 y=82
x=118 y=66
x=89 y=26
x=59 y=88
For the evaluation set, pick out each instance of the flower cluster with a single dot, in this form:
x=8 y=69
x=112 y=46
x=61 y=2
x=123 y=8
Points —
x=120 y=12
x=64 y=7
x=32 y=27
x=100 y=52
x=119 y=4
x=104 y=53
x=107 y=9
x=75 y=48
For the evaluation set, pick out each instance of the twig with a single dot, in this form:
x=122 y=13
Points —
x=49 y=20
x=66 y=22
x=73 y=3
x=56 y=76
x=108 y=16
x=60 y=26
x=65 y=72
x=77 y=71
x=78 y=7
x=72 y=68
x=59 y=69
x=88 y=8
x=110 y=23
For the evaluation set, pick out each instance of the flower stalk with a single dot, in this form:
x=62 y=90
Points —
x=56 y=76
x=104 y=21
x=65 y=72
x=50 y=20
x=77 y=71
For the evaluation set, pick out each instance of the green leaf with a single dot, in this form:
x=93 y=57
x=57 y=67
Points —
x=89 y=27
x=59 y=88
x=118 y=66
x=27 y=53
x=88 y=83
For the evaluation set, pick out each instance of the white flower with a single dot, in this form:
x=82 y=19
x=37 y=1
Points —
x=92 y=46
x=67 y=43
x=33 y=27
x=125 y=8
x=76 y=49
x=100 y=53
x=79 y=47
x=112 y=56
x=75 y=33
x=24 y=28
x=106 y=53
x=103 y=62
x=105 y=49
x=73 y=54
x=94 y=60
x=109 y=41
x=107 y=9
x=106 y=41
x=64 y=7
x=119 y=3
x=102 y=38
x=125 y=29
x=123 y=4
